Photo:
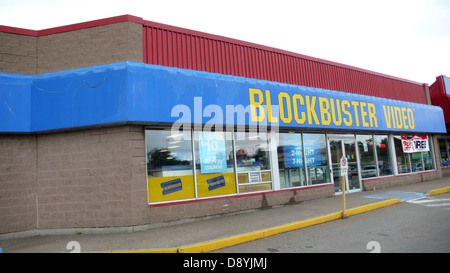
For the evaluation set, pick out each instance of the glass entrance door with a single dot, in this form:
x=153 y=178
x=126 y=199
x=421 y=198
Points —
x=344 y=145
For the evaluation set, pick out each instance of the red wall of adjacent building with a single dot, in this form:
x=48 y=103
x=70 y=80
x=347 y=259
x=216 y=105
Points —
x=440 y=98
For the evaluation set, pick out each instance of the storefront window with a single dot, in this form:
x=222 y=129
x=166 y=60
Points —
x=428 y=157
x=423 y=161
x=413 y=162
x=253 y=162
x=403 y=164
x=316 y=158
x=169 y=165
x=290 y=160
x=367 y=156
x=383 y=156
x=221 y=158
x=428 y=160
x=444 y=154
x=416 y=162
x=214 y=163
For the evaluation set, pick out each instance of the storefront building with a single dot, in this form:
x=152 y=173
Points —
x=161 y=123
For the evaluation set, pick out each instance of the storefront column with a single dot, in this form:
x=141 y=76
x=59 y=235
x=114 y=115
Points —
x=304 y=160
x=273 y=145
x=392 y=154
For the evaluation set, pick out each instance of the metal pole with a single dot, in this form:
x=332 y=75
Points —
x=344 y=173
x=343 y=198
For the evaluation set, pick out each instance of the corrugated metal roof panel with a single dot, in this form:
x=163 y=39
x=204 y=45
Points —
x=177 y=47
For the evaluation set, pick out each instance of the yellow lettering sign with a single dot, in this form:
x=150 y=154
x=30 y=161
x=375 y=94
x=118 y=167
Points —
x=324 y=111
x=363 y=114
x=339 y=112
x=347 y=121
x=410 y=118
x=271 y=118
x=311 y=110
x=336 y=111
x=256 y=105
x=372 y=117
x=355 y=107
x=299 y=98
x=285 y=113
x=387 y=116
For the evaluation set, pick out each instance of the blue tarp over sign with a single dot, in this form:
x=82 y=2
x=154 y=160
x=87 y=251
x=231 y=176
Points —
x=134 y=92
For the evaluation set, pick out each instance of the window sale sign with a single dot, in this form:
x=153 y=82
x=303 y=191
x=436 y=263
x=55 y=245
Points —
x=415 y=144
x=213 y=156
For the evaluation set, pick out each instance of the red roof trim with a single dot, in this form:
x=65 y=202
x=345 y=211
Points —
x=20 y=31
x=95 y=23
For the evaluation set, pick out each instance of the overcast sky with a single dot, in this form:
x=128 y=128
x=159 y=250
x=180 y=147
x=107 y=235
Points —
x=409 y=39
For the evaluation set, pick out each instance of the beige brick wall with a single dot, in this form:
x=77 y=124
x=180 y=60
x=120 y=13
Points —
x=86 y=47
x=85 y=178
x=18 y=53
x=18 y=199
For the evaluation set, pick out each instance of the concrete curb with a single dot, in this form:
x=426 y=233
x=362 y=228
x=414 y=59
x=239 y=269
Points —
x=439 y=191
x=246 y=237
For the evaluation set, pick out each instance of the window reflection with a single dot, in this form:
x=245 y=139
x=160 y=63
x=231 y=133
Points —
x=316 y=158
x=367 y=156
x=168 y=154
x=383 y=155
x=169 y=165
x=253 y=161
x=290 y=160
x=403 y=163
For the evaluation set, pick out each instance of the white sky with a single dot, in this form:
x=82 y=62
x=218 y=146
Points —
x=409 y=39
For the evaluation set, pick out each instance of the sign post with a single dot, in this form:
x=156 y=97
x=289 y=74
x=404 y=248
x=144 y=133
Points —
x=344 y=170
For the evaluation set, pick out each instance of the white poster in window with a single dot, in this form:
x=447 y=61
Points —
x=213 y=158
x=254 y=177
x=415 y=144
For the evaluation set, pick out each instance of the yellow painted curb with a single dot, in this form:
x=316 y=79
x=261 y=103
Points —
x=242 y=238
x=234 y=240
x=238 y=239
x=372 y=206
x=439 y=191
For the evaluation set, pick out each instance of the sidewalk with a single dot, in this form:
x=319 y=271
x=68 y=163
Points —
x=217 y=232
